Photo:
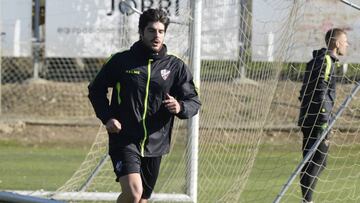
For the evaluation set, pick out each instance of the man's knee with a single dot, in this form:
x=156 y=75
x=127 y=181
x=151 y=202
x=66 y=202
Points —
x=137 y=193
x=130 y=196
x=131 y=186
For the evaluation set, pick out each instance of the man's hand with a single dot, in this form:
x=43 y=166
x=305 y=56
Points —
x=113 y=126
x=171 y=104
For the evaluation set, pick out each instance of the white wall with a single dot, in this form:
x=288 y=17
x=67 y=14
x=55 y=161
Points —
x=15 y=26
x=82 y=28
x=315 y=18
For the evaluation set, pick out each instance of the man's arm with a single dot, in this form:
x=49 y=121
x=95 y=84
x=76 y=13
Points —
x=323 y=78
x=98 y=89
x=321 y=90
x=186 y=94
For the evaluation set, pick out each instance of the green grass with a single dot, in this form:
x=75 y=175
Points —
x=48 y=167
x=37 y=167
x=339 y=183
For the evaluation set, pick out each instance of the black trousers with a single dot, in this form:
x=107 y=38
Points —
x=316 y=164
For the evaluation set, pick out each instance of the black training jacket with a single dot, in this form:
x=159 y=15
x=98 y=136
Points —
x=317 y=94
x=140 y=80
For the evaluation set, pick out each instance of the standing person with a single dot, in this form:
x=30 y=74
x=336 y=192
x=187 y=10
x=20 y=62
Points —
x=150 y=87
x=317 y=97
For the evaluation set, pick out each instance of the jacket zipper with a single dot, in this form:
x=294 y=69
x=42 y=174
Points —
x=118 y=87
x=142 y=144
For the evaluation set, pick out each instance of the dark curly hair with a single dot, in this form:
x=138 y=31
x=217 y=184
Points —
x=153 y=15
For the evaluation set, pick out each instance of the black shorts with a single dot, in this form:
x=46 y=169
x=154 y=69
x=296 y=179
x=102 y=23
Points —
x=127 y=161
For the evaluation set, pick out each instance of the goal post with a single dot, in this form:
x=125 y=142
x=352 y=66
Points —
x=193 y=124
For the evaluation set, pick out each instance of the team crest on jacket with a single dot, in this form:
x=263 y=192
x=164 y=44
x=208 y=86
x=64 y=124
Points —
x=165 y=73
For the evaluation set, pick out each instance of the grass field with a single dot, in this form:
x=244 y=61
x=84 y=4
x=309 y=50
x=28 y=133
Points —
x=45 y=167
x=37 y=167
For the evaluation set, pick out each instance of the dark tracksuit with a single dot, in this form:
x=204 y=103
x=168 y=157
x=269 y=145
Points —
x=140 y=80
x=317 y=97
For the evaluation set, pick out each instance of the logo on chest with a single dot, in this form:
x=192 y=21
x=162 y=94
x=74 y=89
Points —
x=165 y=73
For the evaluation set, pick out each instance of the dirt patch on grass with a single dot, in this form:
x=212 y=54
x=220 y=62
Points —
x=49 y=135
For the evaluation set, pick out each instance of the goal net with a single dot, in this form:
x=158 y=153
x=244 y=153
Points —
x=253 y=58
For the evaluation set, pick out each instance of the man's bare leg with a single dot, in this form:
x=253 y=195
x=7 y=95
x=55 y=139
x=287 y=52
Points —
x=131 y=186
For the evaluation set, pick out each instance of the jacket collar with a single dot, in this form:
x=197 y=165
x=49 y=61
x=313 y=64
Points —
x=144 y=52
x=324 y=51
x=333 y=55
